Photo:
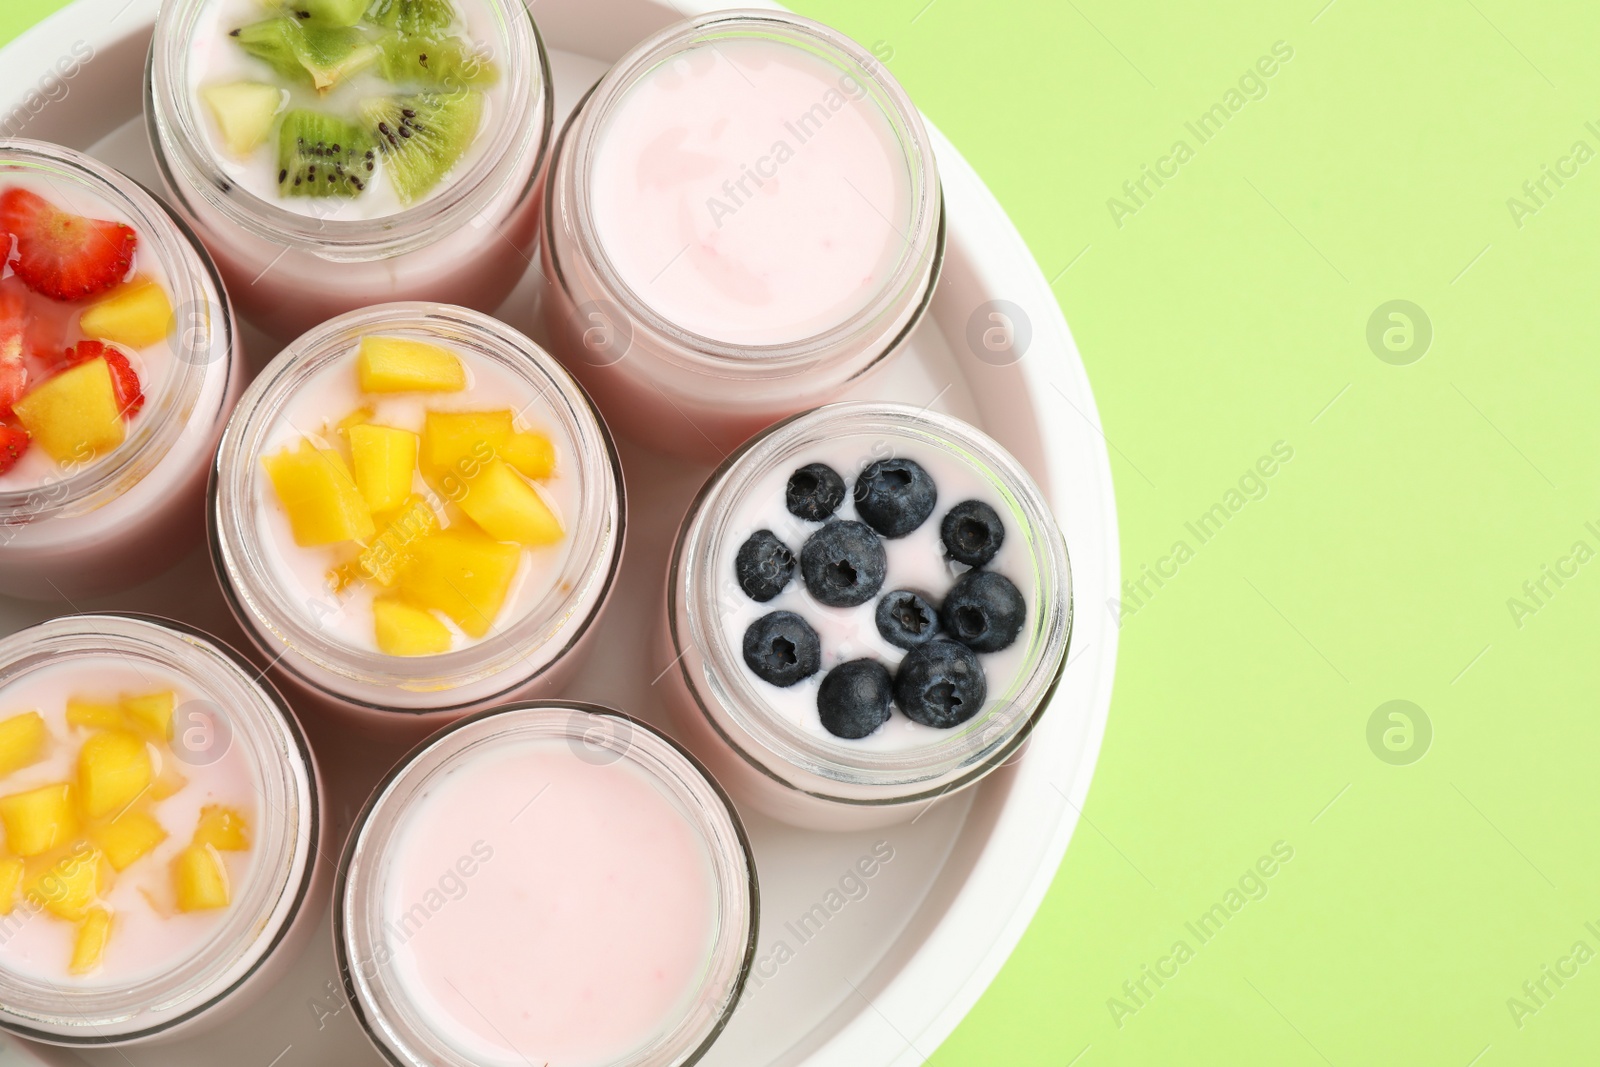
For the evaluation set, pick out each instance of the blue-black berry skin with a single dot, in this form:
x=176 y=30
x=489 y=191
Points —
x=843 y=564
x=895 y=496
x=905 y=619
x=984 y=611
x=854 y=698
x=782 y=648
x=764 y=566
x=940 y=684
x=972 y=533
x=814 y=493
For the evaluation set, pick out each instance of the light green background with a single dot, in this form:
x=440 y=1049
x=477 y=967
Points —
x=1227 y=313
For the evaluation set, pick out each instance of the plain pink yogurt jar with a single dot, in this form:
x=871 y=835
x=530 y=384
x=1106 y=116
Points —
x=744 y=218
x=766 y=742
x=319 y=636
x=68 y=532
x=165 y=973
x=291 y=267
x=546 y=883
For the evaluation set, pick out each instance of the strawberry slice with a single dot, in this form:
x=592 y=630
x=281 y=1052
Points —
x=13 y=333
x=13 y=443
x=124 y=380
x=62 y=255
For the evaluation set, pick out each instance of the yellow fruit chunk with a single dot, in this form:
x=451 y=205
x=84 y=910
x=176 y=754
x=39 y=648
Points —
x=244 y=113
x=404 y=630
x=22 y=739
x=38 y=820
x=200 y=878
x=399 y=365
x=463 y=574
x=224 y=829
x=461 y=442
x=127 y=837
x=152 y=711
x=113 y=769
x=391 y=550
x=168 y=782
x=384 y=459
x=359 y=417
x=508 y=508
x=531 y=454
x=70 y=886
x=137 y=314
x=74 y=416
x=93 y=933
x=320 y=495
x=93 y=714
x=11 y=870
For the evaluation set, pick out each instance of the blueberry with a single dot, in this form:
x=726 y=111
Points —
x=843 y=564
x=895 y=496
x=764 y=566
x=983 y=611
x=905 y=619
x=854 y=698
x=782 y=648
x=972 y=533
x=940 y=684
x=815 y=492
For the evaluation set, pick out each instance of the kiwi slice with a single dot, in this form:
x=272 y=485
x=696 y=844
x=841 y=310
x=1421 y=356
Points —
x=323 y=155
x=332 y=12
x=419 y=17
x=421 y=136
x=302 y=50
x=447 y=62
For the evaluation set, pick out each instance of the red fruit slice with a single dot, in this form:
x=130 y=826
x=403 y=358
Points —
x=13 y=443
x=62 y=255
x=130 y=397
x=13 y=332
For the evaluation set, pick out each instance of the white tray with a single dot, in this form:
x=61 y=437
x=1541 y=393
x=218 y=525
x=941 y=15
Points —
x=891 y=974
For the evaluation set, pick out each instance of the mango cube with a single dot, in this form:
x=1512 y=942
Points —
x=200 y=879
x=90 y=945
x=531 y=454
x=385 y=460
x=399 y=365
x=38 y=820
x=403 y=630
x=74 y=416
x=69 y=887
x=137 y=315
x=167 y=782
x=244 y=113
x=128 y=837
x=113 y=770
x=319 y=493
x=22 y=739
x=508 y=508
x=459 y=443
x=223 y=828
x=391 y=550
x=463 y=574
x=11 y=870
x=93 y=714
x=152 y=712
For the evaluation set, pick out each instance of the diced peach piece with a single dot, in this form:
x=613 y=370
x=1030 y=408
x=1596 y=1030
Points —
x=508 y=508
x=223 y=828
x=384 y=459
x=90 y=945
x=74 y=415
x=463 y=574
x=11 y=870
x=391 y=550
x=200 y=878
x=38 y=820
x=401 y=365
x=94 y=714
x=152 y=712
x=532 y=454
x=22 y=739
x=128 y=837
x=137 y=314
x=461 y=442
x=113 y=769
x=320 y=495
x=69 y=886
x=404 y=630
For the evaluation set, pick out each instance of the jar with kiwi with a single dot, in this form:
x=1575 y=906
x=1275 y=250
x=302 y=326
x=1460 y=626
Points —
x=334 y=154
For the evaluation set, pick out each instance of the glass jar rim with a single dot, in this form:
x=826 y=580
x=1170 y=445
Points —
x=606 y=735
x=248 y=578
x=527 y=124
x=282 y=869
x=203 y=325
x=970 y=749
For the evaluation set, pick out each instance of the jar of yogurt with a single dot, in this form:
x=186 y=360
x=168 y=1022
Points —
x=868 y=608
x=163 y=832
x=546 y=883
x=119 y=364
x=417 y=513
x=335 y=154
x=744 y=219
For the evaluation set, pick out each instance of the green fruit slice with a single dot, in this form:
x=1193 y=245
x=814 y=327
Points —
x=333 y=12
x=447 y=62
x=421 y=136
x=323 y=155
x=300 y=51
x=420 y=17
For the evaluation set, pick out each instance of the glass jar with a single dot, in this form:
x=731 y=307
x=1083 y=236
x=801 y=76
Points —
x=467 y=244
x=697 y=373
x=767 y=745
x=297 y=629
x=131 y=513
x=601 y=765
x=273 y=909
